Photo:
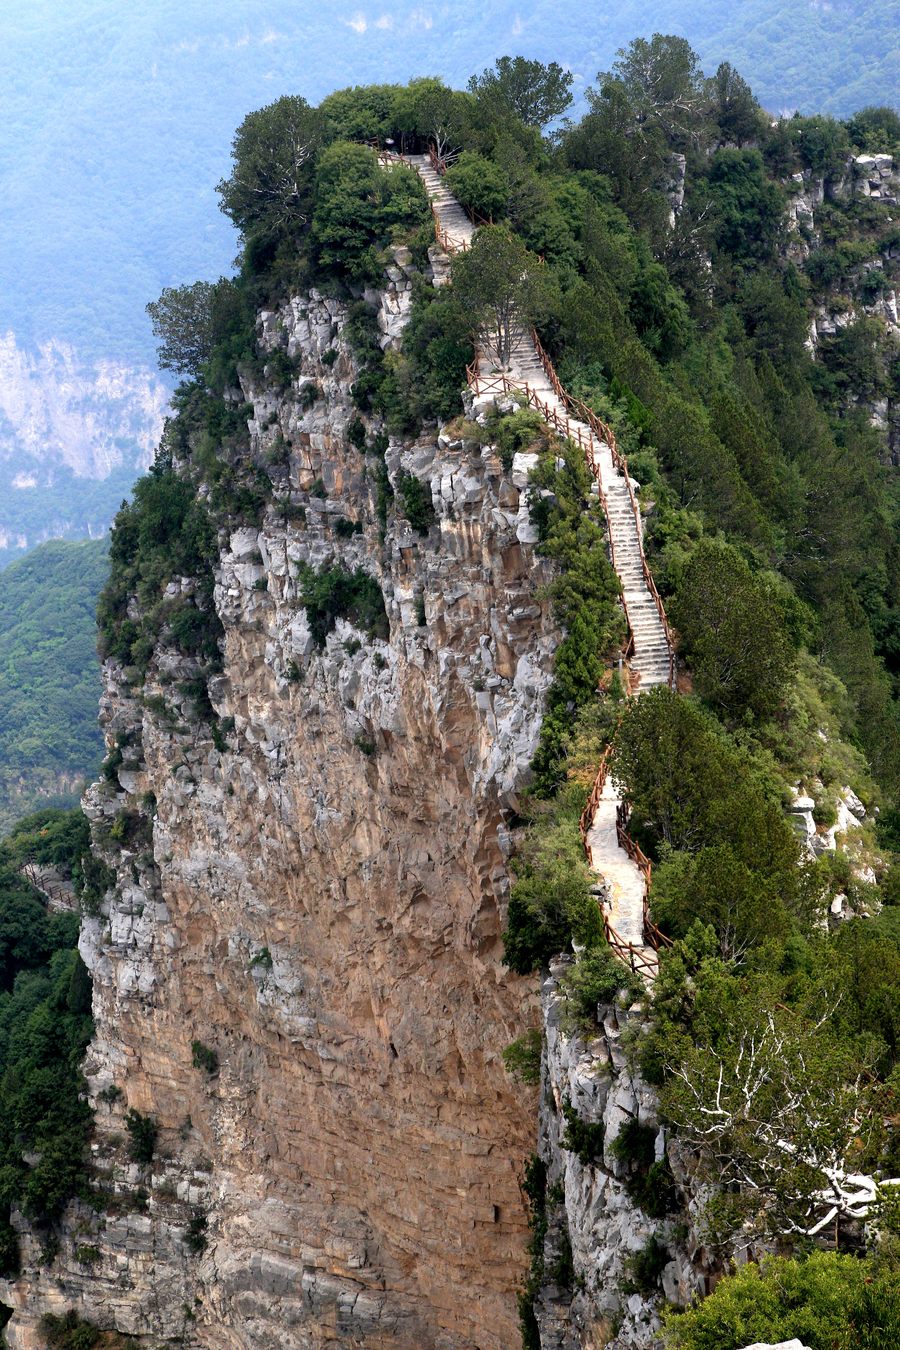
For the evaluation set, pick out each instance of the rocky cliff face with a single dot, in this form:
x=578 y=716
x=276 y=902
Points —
x=314 y=890
x=624 y=1258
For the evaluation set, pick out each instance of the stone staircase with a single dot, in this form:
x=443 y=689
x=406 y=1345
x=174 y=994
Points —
x=652 y=660
x=456 y=225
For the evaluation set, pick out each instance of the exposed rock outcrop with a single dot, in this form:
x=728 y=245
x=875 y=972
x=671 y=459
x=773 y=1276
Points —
x=612 y=1294
x=313 y=889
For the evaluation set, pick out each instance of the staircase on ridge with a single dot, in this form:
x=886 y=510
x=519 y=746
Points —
x=652 y=660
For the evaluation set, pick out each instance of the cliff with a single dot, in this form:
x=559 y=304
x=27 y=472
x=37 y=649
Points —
x=313 y=888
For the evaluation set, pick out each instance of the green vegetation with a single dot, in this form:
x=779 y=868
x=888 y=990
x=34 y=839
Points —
x=142 y=1135
x=202 y=1057
x=334 y=593
x=45 y=1025
x=497 y=284
x=771 y=528
x=828 y=1302
x=70 y=1332
x=582 y=1137
x=49 y=678
x=584 y=598
x=416 y=498
x=522 y=1058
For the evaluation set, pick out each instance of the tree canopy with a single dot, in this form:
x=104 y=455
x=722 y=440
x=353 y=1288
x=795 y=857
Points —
x=535 y=93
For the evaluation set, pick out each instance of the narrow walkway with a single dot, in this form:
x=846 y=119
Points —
x=625 y=908
x=651 y=655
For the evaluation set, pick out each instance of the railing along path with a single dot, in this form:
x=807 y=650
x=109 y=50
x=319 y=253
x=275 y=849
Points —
x=582 y=425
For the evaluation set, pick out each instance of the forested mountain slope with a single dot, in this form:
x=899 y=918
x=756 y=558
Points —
x=49 y=677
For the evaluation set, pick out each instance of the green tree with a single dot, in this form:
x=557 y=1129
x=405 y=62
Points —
x=822 y=144
x=732 y=631
x=430 y=111
x=363 y=113
x=190 y=320
x=829 y=1301
x=359 y=207
x=664 y=85
x=528 y=89
x=499 y=284
x=270 y=186
x=748 y=206
x=686 y=779
x=479 y=184
x=875 y=130
x=736 y=111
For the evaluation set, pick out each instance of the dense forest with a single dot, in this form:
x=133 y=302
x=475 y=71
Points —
x=45 y=1025
x=49 y=675
x=659 y=245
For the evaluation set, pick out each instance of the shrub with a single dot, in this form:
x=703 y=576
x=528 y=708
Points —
x=550 y=901
x=581 y=1137
x=336 y=593
x=479 y=184
x=512 y=432
x=346 y=529
x=828 y=1300
x=646 y=1266
x=522 y=1058
x=195 y=1238
x=142 y=1135
x=203 y=1057
x=649 y=1183
x=417 y=504
x=356 y=433
x=596 y=977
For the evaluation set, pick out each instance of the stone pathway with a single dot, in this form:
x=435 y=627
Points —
x=650 y=660
x=625 y=908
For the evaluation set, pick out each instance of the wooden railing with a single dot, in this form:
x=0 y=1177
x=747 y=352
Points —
x=499 y=382
x=56 y=894
x=604 y=432
x=653 y=936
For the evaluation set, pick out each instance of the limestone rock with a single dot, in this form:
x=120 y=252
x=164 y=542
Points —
x=326 y=917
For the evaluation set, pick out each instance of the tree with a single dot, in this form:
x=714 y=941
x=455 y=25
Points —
x=732 y=631
x=499 y=284
x=427 y=109
x=829 y=1301
x=690 y=784
x=737 y=112
x=822 y=144
x=534 y=92
x=875 y=130
x=748 y=207
x=363 y=113
x=190 y=320
x=358 y=206
x=658 y=311
x=479 y=184
x=664 y=85
x=718 y=888
x=274 y=152
x=771 y=1099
